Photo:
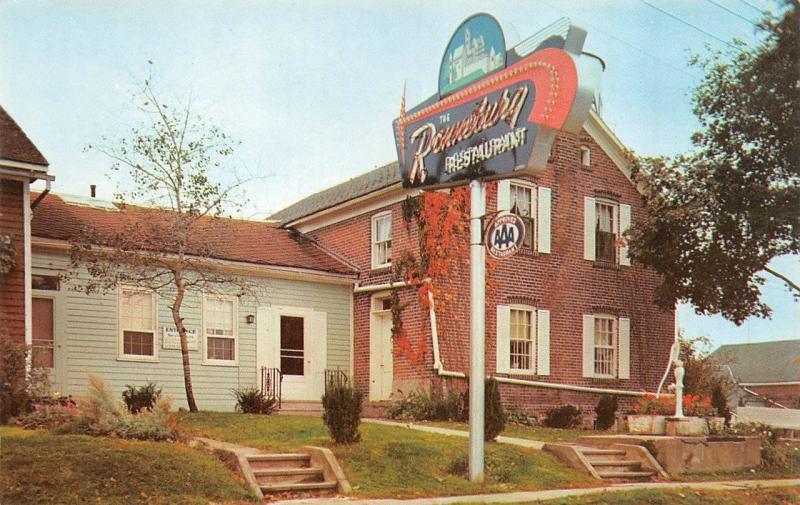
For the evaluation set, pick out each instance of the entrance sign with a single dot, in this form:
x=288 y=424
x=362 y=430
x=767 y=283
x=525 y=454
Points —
x=476 y=49
x=504 y=122
x=505 y=235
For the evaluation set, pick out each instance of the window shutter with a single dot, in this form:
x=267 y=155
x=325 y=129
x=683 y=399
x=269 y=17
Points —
x=543 y=221
x=503 y=331
x=267 y=338
x=588 y=346
x=624 y=224
x=318 y=351
x=543 y=342
x=589 y=223
x=624 y=348
x=504 y=195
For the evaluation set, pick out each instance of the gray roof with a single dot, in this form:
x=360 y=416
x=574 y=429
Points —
x=777 y=361
x=363 y=184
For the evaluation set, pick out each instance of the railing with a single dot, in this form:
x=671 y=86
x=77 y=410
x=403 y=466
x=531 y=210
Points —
x=335 y=378
x=271 y=379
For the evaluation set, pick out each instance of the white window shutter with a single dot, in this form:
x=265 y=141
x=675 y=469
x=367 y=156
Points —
x=543 y=221
x=589 y=223
x=267 y=338
x=543 y=342
x=504 y=195
x=624 y=348
x=503 y=336
x=318 y=351
x=588 y=346
x=624 y=224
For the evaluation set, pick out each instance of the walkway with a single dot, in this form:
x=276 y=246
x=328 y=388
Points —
x=532 y=496
x=521 y=442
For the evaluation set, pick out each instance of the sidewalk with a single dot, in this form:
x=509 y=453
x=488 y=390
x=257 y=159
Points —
x=521 y=442
x=529 y=496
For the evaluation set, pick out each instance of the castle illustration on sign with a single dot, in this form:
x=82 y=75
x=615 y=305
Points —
x=471 y=60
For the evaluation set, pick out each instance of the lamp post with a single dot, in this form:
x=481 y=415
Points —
x=477 y=339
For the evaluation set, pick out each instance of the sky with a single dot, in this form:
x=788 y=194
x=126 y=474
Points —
x=310 y=88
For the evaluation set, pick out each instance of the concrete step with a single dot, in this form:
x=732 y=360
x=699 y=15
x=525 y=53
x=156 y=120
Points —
x=300 y=486
x=627 y=475
x=616 y=462
x=278 y=461
x=288 y=456
x=269 y=476
x=591 y=451
x=288 y=471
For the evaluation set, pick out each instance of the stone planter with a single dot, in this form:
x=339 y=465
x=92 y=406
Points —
x=687 y=426
x=647 y=425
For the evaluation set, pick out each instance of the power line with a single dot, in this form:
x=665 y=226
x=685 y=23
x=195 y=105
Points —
x=757 y=9
x=690 y=25
x=734 y=13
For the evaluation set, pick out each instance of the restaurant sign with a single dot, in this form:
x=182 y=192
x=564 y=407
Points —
x=506 y=120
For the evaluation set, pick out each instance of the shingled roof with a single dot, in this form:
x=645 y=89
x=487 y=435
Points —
x=15 y=145
x=762 y=362
x=363 y=184
x=255 y=242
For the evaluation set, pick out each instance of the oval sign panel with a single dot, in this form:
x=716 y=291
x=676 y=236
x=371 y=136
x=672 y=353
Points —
x=505 y=235
x=476 y=49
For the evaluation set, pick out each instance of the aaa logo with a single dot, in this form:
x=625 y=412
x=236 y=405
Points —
x=505 y=235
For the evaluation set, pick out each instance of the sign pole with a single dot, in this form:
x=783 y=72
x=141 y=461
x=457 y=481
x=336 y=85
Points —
x=477 y=260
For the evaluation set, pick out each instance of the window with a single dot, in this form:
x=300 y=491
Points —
x=45 y=282
x=292 y=345
x=219 y=321
x=523 y=203
x=605 y=231
x=137 y=320
x=586 y=157
x=382 y=240
x=43 y=352
x=521 y=339
x=605 y=330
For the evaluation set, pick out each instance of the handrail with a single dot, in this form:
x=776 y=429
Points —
x=271 y=380
x=335 y=377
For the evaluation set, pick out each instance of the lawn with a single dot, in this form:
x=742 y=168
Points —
x=772 y=496
x=517 y=431
x=392 y=461
x=37 y=467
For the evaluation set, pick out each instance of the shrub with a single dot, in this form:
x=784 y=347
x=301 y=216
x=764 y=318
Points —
x=606 y=409
x=342 y=412
x=14 y=398
x=140 y=398
x=566 y=416
x=254 y=401
x=719 y=400
x=495 y=419
x=515 y=415
x=774 y=455
x=433 y=405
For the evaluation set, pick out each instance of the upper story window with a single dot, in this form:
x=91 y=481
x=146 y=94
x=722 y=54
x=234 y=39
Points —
x=586 y=157
x=382 y=240
x=532 y=203
x=523 y=203
x=137 y=324
x=219 y=321
x=45 y=282
x=604 y=225
x=606 y=346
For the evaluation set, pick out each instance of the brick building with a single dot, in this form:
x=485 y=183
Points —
x=568 y=319
x=21 y=163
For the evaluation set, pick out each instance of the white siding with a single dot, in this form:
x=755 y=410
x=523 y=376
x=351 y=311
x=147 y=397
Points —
x=89 y=324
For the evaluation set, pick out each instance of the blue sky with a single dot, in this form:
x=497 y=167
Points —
x=311 y=88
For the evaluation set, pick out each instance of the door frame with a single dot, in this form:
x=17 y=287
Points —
x=376 y=316
x=56 y=377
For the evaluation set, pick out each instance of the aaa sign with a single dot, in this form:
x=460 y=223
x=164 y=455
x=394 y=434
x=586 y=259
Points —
x=505 y=235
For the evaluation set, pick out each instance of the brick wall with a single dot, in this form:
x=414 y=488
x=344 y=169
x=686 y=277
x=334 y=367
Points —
x=786 y=395
x=562 y=282
x=12 y=284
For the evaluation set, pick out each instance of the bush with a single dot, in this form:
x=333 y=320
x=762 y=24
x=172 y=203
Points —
x=606 y=410
x=495 y=418
x=775 y=456
x=342 y=404
x=719 y=400
x=515 y=415
x=140 y=398
x=254 y=401
x=14 y=398
x=566 y=416
x=433 y=405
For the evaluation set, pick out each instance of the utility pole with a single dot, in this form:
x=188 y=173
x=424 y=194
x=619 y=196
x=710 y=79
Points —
x=477 y=338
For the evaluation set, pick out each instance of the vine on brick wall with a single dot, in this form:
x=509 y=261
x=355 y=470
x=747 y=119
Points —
x=8 y=255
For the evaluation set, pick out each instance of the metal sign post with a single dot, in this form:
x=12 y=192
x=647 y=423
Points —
x=477 y=338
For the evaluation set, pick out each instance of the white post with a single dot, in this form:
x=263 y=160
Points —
x=477 y=339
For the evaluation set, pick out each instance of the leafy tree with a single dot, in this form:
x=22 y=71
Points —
x=718 y=215
x=164 y=247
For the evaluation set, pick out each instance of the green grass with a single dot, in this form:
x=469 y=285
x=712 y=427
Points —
x=772 y=496
x=38 y=467
x=517 y=431
x=392 y=461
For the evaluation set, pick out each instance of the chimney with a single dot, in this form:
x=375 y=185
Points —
x=93 y=190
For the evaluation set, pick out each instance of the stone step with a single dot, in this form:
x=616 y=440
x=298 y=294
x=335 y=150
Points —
x=260 y=462
x=300 y=486
x=615 y=462
x=270 y=472
x=279 y=457
x=270 y=476
x=591 y=451
x=626 y=475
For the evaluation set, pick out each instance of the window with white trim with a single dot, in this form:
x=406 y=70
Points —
x=523 y=203
x=219 y=321
x=605 y=336
x=137 y=323
x=382 y=240
x=586 y=157
x=521 y=339
x=605 y=223
x=606 y=230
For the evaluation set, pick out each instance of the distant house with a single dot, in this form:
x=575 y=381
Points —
x=765 y=371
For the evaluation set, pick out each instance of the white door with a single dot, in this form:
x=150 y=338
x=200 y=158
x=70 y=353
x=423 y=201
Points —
x=294 y=339
x=380 y=356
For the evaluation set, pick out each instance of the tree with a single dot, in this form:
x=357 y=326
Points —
x=163 y=247
x=718 y=215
